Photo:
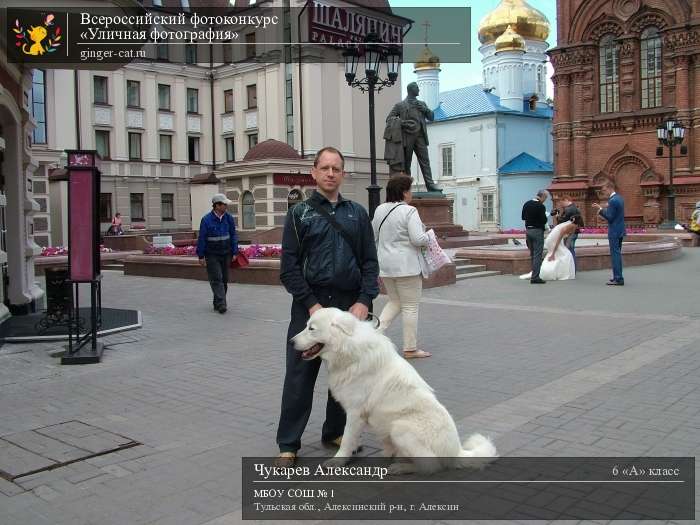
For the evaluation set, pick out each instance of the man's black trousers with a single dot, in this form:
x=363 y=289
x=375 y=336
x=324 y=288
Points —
x=300 y=378
x=534 y=238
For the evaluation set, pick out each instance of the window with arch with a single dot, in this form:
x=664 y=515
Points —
x=650 y=67
x=540 y=80
x=248 y=211
x=608 y=63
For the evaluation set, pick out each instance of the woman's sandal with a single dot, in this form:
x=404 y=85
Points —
x=415 y=354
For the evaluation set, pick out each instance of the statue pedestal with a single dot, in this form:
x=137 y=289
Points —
x=435 y=210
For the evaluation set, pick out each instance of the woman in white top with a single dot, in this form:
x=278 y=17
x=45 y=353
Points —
x=399 y=234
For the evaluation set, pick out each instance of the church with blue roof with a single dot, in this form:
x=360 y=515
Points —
x=490 y=144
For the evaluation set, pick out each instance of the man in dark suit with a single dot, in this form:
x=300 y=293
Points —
x=615 y=215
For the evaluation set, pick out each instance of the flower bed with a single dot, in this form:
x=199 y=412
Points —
x=55 y=251
x=515 y=231
x=255 y=251
x=170 y=249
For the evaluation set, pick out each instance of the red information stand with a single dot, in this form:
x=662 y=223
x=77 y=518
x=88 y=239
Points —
x=84 y=255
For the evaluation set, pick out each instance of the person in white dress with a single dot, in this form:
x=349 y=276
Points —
x=399 y=234
x=559 y=264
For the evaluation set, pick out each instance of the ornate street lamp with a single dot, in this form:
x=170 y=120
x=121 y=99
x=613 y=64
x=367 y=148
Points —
x=670 y=134
x=374 y=54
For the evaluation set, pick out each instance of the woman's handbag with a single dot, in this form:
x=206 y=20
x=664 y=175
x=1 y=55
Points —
x=433 y=257
x=241 y=261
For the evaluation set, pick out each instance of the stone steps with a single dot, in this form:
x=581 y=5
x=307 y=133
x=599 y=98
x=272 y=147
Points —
x=476 y=275
x=469 y=268
x=465 y=270
x=114 y=265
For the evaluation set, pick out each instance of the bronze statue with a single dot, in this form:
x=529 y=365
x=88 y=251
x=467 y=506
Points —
x=406 y=132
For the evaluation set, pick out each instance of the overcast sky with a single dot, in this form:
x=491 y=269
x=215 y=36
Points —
x=453 y=76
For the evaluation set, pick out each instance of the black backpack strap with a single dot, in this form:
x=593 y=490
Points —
x=385 y=218
x=342 y=231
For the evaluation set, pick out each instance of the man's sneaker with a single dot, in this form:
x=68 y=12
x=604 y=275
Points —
x=286 y=459
x=336 y=442
x=612 y=282
x=221 y=309
x=537 y=281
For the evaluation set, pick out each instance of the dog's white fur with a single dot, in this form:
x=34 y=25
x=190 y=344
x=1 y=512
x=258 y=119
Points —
x=378 y=388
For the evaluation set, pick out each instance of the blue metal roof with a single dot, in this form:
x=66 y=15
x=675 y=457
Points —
x=525 y=163
x=473 y=100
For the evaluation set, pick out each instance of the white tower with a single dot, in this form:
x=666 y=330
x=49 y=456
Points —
x=510 y=48
x=533 y=28
x=427 y=70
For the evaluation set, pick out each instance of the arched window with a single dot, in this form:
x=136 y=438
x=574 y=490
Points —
x=294 y=198
x=650 y=67
x=608 y=59
x=248 y=212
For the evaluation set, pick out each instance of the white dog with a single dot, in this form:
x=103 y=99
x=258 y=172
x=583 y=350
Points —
x=377 y=387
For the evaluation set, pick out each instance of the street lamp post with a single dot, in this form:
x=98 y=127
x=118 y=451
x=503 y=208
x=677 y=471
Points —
x=670 y=134
x=374 y=54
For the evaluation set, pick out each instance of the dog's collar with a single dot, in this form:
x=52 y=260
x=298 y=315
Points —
x=374 y=319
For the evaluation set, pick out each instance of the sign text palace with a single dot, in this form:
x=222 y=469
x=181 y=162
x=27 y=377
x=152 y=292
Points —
x=337 y=25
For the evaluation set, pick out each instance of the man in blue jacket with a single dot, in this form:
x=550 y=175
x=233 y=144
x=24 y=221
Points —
x=217 y=245
x=615 y=215
x=321 y=267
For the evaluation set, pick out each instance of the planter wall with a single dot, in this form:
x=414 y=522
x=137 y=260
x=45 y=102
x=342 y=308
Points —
x=260 y=271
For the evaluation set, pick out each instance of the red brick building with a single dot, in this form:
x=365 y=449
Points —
x=622 y=67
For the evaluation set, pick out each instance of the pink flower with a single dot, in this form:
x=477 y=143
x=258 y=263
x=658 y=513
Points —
x=171 y=250
x=256 y=251
x=53 y=251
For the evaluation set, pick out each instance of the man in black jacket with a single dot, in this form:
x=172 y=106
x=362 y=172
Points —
x=535 y=216
x=320 y=268
x=570 y=211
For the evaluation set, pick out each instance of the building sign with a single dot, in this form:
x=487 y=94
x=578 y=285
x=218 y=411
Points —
x=338 y=25
x=81 y=226
x=290 y=179
x=83 y=216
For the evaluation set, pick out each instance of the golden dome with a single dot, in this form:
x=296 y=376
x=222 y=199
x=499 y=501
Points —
x=525 y=20
x=510 y=41
x=427 y=60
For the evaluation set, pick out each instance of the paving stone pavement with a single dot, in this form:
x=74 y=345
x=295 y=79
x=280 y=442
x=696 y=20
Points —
x=567 y=369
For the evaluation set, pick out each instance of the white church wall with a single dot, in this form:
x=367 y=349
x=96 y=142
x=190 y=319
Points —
x=517 y=134
x=515 y=191
x=474 y=143
x=480 y=145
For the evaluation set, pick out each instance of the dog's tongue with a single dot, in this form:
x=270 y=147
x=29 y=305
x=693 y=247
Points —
x=311 y=352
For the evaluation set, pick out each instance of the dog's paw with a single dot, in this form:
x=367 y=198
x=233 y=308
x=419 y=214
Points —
x=336 y=461
x=399 y=469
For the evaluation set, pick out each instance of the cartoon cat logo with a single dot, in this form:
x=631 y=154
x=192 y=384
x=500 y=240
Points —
x=40 y=39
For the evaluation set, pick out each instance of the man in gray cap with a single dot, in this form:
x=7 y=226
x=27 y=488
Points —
x=217 y=245
x=413 y=115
